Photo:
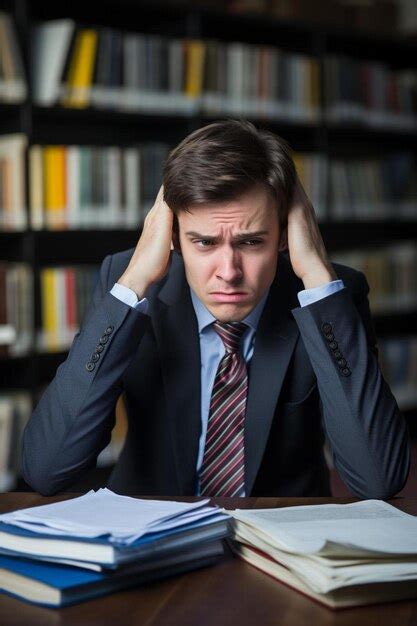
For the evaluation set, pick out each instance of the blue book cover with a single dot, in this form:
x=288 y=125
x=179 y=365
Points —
x=16 y=540
x=56 y=585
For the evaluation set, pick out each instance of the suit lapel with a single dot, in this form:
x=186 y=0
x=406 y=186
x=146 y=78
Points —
x=276 y=337
x=176 y=331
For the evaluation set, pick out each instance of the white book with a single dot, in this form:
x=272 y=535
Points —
x=7 y=334
x=51 y=42
x=73 y=187
x=339 y=554
x=132 y=185
x=114 y=186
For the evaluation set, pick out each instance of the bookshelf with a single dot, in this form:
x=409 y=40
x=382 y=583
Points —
x=350 y=139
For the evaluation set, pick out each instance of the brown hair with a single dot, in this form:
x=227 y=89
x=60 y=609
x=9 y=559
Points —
x=223 y=160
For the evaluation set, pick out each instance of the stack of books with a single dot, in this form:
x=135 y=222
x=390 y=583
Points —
x=93 y=187
x=369 y=92
x=341 y=555
x=373 y=188
x=65 y=294
x=77 y=67
x=16 y=312
x=63 y=553
x=390 y=272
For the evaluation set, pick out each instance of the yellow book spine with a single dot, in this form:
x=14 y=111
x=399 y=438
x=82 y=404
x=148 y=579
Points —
x=49 y=313
x=80 y=74
x=55 y=193
x=195 y=53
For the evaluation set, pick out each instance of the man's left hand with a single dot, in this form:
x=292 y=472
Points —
x=308 y=255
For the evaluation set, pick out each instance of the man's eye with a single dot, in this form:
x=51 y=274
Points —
x=204 y=243
x=252 y=242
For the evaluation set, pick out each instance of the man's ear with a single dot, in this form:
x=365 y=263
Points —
x=176 y=235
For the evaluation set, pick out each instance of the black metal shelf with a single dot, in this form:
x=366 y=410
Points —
x=93 y=126
x=396 y=323
x=357 y=234
x=236 y=21
x=29 y=371
x=67 y=247
x=80 y=246
x=60 y=125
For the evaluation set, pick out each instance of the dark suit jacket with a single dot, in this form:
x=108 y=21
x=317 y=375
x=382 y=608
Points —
x=313 y=368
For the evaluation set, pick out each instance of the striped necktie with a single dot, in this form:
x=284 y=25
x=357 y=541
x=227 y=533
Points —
x=223 y=470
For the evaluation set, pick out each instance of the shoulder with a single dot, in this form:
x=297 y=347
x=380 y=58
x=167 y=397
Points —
x=114 y=265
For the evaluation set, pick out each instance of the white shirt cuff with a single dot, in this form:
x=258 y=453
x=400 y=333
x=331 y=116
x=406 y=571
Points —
x=308 y=296
x=128 y=296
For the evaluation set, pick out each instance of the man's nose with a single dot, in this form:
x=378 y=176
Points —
x=229 y=267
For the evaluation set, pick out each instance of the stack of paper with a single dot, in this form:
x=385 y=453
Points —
x=341 y=555
x=68 y=551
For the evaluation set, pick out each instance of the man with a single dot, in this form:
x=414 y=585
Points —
x=229 y=383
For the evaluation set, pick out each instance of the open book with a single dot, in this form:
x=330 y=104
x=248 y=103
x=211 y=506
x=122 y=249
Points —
x=338 y=554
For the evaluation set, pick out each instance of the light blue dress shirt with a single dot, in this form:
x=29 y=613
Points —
x=212 y=348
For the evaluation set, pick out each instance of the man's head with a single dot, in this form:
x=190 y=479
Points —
x=230 y=187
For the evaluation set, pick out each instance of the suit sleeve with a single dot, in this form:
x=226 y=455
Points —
x=73 y=420
x=367 y=433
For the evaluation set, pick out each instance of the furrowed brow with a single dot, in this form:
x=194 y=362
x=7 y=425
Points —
x=240 y=236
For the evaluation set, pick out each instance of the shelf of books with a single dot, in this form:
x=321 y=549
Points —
x=90 y=106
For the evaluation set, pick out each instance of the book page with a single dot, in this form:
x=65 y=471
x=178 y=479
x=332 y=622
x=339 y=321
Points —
x=123 y=518
x=369 y=526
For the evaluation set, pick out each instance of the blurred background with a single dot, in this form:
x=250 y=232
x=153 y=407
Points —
x=92 y=101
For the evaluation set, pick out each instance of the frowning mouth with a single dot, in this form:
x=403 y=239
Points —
x=231 y=296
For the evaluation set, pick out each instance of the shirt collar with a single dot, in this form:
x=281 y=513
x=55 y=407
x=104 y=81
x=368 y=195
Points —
x=205 y=318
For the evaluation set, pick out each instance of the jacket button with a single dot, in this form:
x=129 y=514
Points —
x=327 y=328
x=346 y=371
x=109 y=330
x=342 y=362
x=95 y=357
x=333 y=345
x=104 y=339
x=89 y=366
x=337 y=354
x=99 y=347
x=329 y=337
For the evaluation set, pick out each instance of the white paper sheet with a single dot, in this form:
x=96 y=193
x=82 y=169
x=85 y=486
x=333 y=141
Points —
x=368 y=525
x=104 y=512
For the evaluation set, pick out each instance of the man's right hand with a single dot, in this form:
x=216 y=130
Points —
x=150 y=260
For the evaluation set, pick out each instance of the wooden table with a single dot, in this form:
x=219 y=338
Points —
x=229 y=594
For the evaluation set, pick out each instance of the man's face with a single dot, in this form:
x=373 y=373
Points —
x=230 y=252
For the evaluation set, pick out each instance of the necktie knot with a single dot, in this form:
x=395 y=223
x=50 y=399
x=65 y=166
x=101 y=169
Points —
x=230 y=333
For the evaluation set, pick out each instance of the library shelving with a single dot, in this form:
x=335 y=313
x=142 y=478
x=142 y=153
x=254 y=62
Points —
x=349 y=124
